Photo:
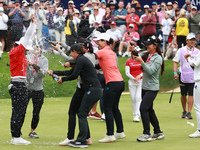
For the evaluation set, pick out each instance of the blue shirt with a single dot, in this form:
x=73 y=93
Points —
x=17 y=17
x=120 y=21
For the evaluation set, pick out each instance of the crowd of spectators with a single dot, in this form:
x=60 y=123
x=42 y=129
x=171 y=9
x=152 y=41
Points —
x=135 y=22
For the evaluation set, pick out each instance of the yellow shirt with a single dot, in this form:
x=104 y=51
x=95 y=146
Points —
x=67 y=28
x=182 y=28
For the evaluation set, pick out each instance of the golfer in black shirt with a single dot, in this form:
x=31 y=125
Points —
x=92 y=88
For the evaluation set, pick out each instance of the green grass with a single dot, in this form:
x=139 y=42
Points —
x=53 y=126
x=52 y=89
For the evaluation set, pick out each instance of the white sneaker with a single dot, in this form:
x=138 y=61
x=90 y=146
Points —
x=120 y=135
x=65 y=142
x=125 y=54
x=129 y=54
x=107 y=139
x=136 y=119
x=103 y=117
x=165 y=58
x=195 y=134
x=19 y=141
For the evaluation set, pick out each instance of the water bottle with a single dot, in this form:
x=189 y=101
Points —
x=55 y=77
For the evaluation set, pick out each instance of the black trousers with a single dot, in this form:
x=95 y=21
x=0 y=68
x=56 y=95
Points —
x=90 y=97
x=181 y=40
x=19 y=97
x=147 y=112
x=73 y=111
x=38 y=100
x=111 y=99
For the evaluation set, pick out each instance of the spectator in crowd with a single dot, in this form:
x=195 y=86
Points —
x=49 y=18
x=70 y=30
x=175 y=7
x=186 y=74
x=194 y=20
x=40 y=16
x=17 y=14
x=8 y=40
x=27 y=17
x=76 y=18
x=139 y=10
x=172 y=47
x=5 y=7
x=132 y=18
x=182 y=28
x=81 y=9
x=107 y=19
x=102 y=8
x=70 y=5
x=161 y=13
x=177 y=15
x=59 y=20
x=23 y=2
x=84 y=29
x=134 y=73
x=146 y=8
x=3 y=30
x=35 y=86
x=167 y=24
x=149 y=25
x=57 y=3
x=129 y=36
x=115 y=34
x=170 y=7
x=95 y=19
x=120 y=17
x=112 y=6
x=188 y=7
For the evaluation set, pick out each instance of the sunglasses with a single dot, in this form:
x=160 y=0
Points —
x=51 y=7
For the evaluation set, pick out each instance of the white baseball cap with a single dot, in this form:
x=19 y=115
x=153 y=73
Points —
x=168 y=12
x=76 y=12
x=131 y=25
x=194 y=7
x=102 y=36
x=190 y=36
x=72 y=2
x=86 y=9
x=146 y=6
x=96 y=33
x=30 y=43
x=59 y=8
x=36 y=3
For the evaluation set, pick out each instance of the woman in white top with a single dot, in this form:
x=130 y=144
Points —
x=95 y=19
x=3 y=29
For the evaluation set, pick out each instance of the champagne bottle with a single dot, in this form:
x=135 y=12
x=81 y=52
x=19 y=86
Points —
x=51 y=42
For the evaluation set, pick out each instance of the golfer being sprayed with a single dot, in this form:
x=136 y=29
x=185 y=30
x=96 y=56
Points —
x=17 y=87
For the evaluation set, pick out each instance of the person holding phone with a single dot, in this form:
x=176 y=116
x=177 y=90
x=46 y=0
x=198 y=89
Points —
x=152 y=64
x=132 y=18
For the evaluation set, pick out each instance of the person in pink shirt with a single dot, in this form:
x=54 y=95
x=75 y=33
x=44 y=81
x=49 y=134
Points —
x=161 y=14
x=113 y=89
x=132 y=18
x=129 y=36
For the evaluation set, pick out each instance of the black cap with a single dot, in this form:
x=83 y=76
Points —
x=151 y=40
x=76 y=47
x=17 y=1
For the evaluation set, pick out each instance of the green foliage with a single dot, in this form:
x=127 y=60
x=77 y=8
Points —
x=53 y=126
x=52 y=89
